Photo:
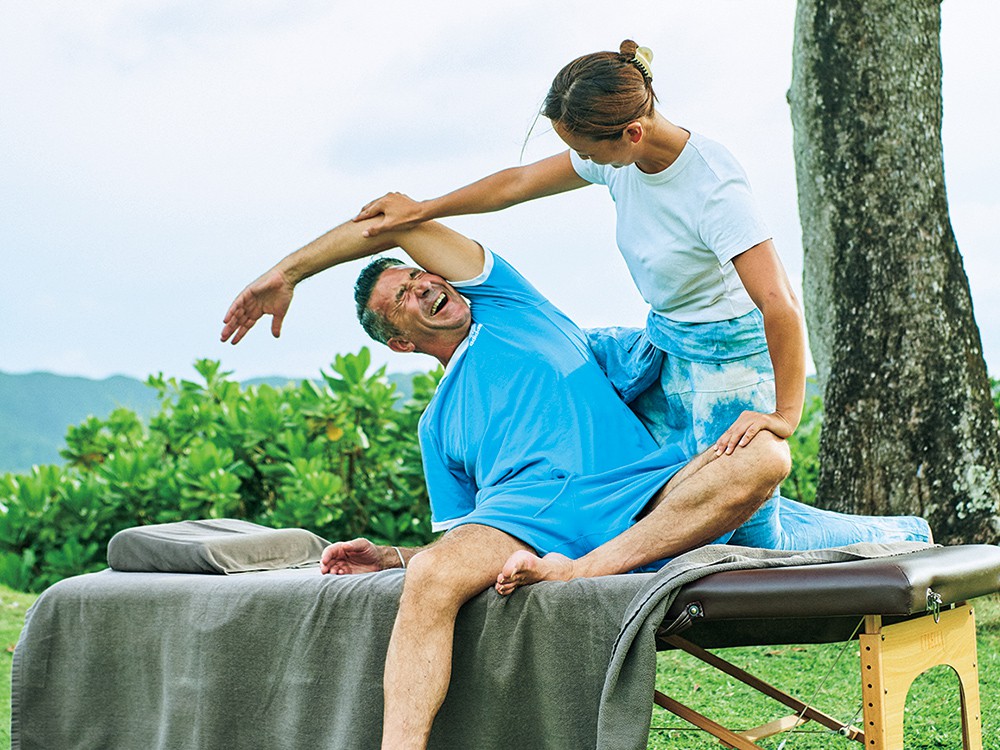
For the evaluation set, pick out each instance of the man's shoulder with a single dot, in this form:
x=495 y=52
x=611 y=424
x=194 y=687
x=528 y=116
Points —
x=500 y=285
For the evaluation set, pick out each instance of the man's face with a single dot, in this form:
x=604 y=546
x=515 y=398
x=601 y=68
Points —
x=421 y=305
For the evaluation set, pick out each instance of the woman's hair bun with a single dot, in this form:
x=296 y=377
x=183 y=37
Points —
x=597 y=95
x=628 y=48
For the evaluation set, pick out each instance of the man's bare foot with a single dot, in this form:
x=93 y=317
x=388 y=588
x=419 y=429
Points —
x=524 y=568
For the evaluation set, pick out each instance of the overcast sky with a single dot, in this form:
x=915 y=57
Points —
x=157 y=156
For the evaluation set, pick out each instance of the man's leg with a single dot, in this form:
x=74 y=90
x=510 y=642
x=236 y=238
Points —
x=708 y=497
x=439 y=580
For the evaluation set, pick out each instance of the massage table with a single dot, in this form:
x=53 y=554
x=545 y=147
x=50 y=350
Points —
x=288 y=658
x=913 y=614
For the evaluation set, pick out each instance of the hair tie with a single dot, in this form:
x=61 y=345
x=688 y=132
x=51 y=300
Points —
x=643 y=60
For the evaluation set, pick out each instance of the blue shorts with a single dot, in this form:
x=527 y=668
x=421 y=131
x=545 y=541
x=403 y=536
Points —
x=574 y=515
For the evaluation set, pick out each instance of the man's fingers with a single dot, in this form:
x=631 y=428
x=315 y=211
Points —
x=229 y=324
x=241 y=326
x=331 y=552
x=233 y=331
x=276 y=321
x=236 y=320
x=503 y=586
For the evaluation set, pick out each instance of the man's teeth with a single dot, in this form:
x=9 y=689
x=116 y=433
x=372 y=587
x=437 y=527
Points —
x=437 y=303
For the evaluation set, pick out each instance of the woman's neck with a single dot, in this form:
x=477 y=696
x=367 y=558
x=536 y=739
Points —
x=662 y=144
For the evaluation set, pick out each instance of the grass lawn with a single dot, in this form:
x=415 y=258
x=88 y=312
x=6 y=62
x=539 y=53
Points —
x=932 y=719
x=13 y=605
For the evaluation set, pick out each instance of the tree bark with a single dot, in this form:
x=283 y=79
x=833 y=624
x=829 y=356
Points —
x=909 y=423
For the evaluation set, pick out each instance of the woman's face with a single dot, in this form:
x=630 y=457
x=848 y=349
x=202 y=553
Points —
x=618 y=152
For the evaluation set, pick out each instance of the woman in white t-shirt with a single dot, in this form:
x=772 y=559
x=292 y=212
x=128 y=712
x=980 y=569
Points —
x=692 y=238
x=726 y=328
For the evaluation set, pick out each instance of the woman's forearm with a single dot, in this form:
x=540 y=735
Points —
x=506 y=188
x=493 y=193
x=785 y=331
x=766 y=282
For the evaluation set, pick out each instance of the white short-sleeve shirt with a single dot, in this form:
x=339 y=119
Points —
x=680 y=229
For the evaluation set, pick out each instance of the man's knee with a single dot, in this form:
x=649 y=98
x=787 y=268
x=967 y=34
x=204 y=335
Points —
x=425 y=571
x=433 y=579
x=773 y=456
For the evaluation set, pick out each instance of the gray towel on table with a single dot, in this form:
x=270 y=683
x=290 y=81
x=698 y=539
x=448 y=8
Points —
x=293 y=659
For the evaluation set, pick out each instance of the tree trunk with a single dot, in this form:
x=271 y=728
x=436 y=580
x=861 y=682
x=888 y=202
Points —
x=909 y=423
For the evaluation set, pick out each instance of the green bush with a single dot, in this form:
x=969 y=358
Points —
x=341 y=459
x=804 y=444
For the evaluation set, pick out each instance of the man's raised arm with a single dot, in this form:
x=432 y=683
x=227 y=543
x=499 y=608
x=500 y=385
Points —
x=433 y=246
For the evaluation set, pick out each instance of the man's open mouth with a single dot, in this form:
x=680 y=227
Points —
x=439 y=303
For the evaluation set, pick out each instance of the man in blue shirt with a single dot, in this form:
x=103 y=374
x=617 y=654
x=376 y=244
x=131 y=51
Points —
x=536 y=469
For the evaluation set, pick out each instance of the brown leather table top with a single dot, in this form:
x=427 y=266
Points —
x=815 y=603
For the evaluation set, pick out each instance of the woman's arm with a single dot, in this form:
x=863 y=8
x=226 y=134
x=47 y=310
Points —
x=500 y=190
x=767 y=284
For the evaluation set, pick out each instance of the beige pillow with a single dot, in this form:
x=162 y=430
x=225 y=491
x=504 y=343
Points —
x=222 y=545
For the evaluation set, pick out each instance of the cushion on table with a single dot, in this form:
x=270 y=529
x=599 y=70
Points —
x=222 y=545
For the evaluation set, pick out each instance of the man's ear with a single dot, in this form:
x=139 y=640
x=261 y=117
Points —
x=634 y=132
x=401 y=345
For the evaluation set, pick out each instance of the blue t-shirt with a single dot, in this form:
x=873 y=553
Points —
x=524 y=409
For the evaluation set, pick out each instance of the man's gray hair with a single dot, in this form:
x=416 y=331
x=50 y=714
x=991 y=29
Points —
x=375 y=324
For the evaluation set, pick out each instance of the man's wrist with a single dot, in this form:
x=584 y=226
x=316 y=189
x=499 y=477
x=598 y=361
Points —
x=290 y=272
x=391 y=557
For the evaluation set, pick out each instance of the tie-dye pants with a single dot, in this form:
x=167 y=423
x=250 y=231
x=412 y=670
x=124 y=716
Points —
x=709 y=373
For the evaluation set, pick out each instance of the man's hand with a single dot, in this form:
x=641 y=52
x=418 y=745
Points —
x=398 y=211
x=271 y=294
x=355 y=556
x=746 y=427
